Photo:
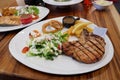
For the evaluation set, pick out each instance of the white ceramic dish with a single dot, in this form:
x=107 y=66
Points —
x=43 y=13
x=62 y=65
x=101 y=5
x=67 y=3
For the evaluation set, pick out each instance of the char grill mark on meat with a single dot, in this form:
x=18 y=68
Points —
x=97 y=44
x=98 y=53
x=85 y=51
x=88 y=49
x=95 y=47
x=75 y=52
x=81 y=56
x=77 y=57
x=100 y=41
x=91 y=48
x=66 y=49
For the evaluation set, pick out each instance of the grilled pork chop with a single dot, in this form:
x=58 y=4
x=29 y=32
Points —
x=88 y=49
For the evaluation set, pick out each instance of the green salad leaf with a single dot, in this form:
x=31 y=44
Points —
x=35 y=10
x=47 y=48
x=27 y=10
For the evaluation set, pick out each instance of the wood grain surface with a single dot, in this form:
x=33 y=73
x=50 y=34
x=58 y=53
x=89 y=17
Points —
x=7 y=3
x=108 y=18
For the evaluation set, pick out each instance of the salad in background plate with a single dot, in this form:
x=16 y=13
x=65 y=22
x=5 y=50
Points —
x=23 y=15
x=43 y=12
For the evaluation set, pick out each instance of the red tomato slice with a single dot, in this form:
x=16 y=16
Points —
x=25 y=49
x=59 y=47
x=26 y=18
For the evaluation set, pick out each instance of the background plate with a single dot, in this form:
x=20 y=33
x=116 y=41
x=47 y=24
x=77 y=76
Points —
x=67 y=3
x=43 y=13
x=62 y=65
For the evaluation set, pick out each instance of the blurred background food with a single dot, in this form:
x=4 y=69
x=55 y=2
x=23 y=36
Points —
x=10 y=20
x=8 y=11
x=4 y=3
x=12 y=16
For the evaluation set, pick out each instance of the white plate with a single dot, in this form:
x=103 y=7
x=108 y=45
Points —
x=67 y=3
x=62 y=65
x=43 y=13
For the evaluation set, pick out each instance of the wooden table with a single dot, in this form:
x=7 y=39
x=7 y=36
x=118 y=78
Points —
x=109 y=18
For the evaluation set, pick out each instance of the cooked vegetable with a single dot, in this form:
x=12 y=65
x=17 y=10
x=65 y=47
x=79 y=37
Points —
x=53 y=26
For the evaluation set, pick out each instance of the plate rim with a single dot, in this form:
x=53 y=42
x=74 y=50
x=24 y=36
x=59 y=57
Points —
x=30 y=66
x=27 y=25
x=61 y=3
